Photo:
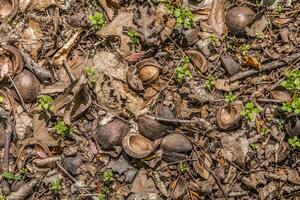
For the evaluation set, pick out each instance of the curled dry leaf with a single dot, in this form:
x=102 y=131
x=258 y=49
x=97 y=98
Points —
x=198 y=60
x=46 y=162
x=8 y=102
x=8 y=9
x=252 y=62
x=257 y=27
x=32 y=33
x=22 y=122
x=199 y=167
x=216 y=19
x=225 y=85
x=11 y=61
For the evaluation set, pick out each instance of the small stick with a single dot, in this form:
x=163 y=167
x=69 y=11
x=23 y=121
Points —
x=18 y=93
x=269 y=101
x=69 y=72
x=183 y=121
x=267 y=67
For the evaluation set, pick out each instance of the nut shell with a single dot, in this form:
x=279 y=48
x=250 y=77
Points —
x=292 y=126
x=198 y=60
x=238 y=18
x=148 y=71
x=28 y=86
x=137 y=146
x=228 y=116
x=176 y=143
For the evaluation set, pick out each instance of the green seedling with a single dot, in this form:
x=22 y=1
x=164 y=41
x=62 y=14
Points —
x=108 y=177
x=63 y=129
x=2 y=197
x=182 y=72
x=55 y=186
x=264 y=131
x=183 y=167
x=23 y=170
x=258 y=2
x=90 y=73
x=1 y=99
x=10 y=176
x=212 y=39
x=102 y=196
x=134 y=36
x=104 y=193
x=292 y=107
x=278 y=9
x=210 y=82
x=230 y=97
x=294 y=142
x=184 y=17
x=45 y=103
x=97 y=20
x=245 y=49
x=250 y=111
x=292 y=80
x=260 y=35
x=254 y=146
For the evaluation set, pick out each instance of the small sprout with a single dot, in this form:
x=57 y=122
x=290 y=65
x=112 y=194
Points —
x=254 y=146
x=2 y=197
x=249 y=111
x=1 y=99
x=212 y=39
x=23 y=170
x=258 y=3
x=108 y=177
x=182 y=72
x=230 y=97
x=264 y=131
x=63 y=129
x=294 y=142
x=183 y=16
x=278 y=9
x=134 y=36
x=260 y=35
x=90 y=73
x=292 y=80
x=292 y=107
x=210 y=82
x=230 y=48
x=10 y=176
x=44 y=103
x=245 y=49
x=97 y=20
x=183 y=167
x=56 y=186
x=102 y=196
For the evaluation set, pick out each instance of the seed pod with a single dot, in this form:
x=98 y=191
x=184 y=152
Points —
x=136 y=145
x=238 y=18
x=198 y=60
x=229 y=117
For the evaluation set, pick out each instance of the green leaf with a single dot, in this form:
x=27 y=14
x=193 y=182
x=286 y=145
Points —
x=10 y=176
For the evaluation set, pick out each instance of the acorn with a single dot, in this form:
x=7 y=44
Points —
x=292 y=125
x=112 y=133
x=8 y=9
x=198 y=60
x=11 y=61
x=176 y=143
x=229 y=117
x=148 y=71
x=137 y=146
x=238 y=18
x=28 y=86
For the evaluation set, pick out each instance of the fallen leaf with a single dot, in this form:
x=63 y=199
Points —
x=33 y=34
x=41 y=5
x=143 y=184
x=225 y=85
x=257 y=27
x=252 y=62
x=216 y=19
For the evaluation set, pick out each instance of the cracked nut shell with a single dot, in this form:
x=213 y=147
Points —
x=238 y=18
x=228 y=116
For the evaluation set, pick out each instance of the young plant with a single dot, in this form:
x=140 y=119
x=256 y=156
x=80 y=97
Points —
x=63 y=129
x=183 y=16
x=212 y=39
x=44 y=103
x=10 y=176
x=90 y=73
x=260 y=35
x=245 y=49
x=210 y=82
x=108 y=177
x=230 y=97
x=250 y=111
x=2 y=197
x=254 y=146
x=97 y=20
x=104 y=193
x=183 y=167
x=292 y=107
x=55 y=186
x=292 y=80
x=264 y=131
x=134 y=36
x=278 y=9
x=294 y=142
x=1 y=99
x=182 y=72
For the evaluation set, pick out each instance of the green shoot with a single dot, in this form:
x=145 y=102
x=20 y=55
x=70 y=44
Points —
x=278 y=9
x=1 y=99
x=250 y=111
x=292 y=107
x=44 y=103
x=97 y=20
x=183 y=16
x=108 y=177
x=264 y=131
x=182 y=72
x=230 y=97
x=104 y=193
x=2 y=197
x=183 y=167
x=210 y=82
x=134 y=36
x=292 y=80
x=294 y=142
x=63 y=129
x=212 y=39
x=254 y=146
x=260 y=35
x=90 y=73
x=10 y=176
x=55 y=186
x=245 y=49
x=23 y=170
x=102 y=196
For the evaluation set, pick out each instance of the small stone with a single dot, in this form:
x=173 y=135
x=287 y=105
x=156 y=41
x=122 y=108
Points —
x=230 y=65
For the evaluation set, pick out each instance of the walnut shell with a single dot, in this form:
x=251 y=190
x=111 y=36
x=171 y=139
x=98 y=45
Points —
x=238 y=18
x=176 y=143
x=229 y=117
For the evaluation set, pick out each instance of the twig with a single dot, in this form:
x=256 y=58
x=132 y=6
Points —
x=18 y=93
x=199 y=121
x=269 y=101
x=68 y=70
x=267 y=67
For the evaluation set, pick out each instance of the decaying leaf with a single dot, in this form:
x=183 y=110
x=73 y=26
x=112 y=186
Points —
x=24 y=191
x=23 y=121
x=199 y=167
x=224 y=85
x=33 y=34
x=41 y=5
x=178 y=188
x=216 y=17
x=252 y=62
x=143 y=184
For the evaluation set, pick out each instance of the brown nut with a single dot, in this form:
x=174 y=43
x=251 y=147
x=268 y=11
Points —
x=176 y=143
x=28 y=86
x=151 y=128
x=238 y=18
x=229 y=117
x=136 y=145
x=11 y=61
x=198 y=60
x=292 y=126
x=112 y=133
x=8 y=9
x=148 y=71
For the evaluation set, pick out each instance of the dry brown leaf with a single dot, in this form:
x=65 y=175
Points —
x=41 y=5
x=225 y=85
x=216 y=18
x=33 y=34
x=252 y=62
